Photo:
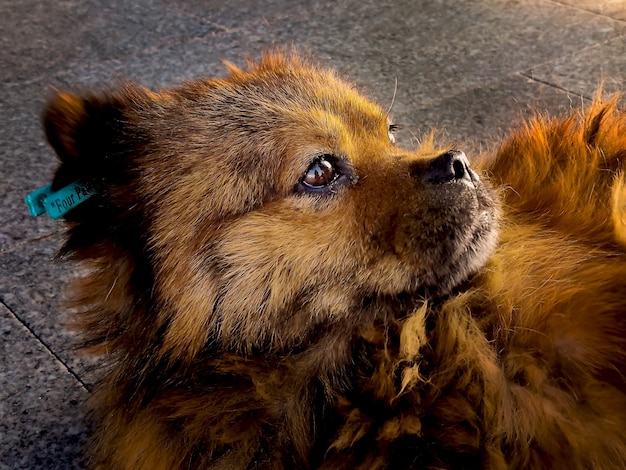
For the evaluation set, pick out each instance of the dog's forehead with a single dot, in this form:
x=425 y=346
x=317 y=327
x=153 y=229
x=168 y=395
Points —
x=302 y=95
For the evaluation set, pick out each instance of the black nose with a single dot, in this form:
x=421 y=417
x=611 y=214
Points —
x=450 y=166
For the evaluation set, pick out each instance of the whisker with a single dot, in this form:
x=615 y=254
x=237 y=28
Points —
x=393 y=98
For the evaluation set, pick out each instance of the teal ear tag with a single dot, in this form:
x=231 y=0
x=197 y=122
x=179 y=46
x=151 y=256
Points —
x=36 y=200
x=60 y=202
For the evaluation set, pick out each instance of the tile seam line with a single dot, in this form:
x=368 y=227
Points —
x=591 y=47
x=492 y=81
x=20 y=245
x=173 y=7
x=602 y=15
x=553 y=85
x=203 y=19
x=45 y=346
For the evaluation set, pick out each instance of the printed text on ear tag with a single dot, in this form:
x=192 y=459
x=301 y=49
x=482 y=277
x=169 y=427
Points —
x=59 y=203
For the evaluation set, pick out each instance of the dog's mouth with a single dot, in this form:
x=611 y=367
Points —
x=475 y=236
x=440 y=231
x=446 y=237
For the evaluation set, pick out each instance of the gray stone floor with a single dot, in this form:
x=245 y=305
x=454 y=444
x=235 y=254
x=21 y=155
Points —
x=470 y=68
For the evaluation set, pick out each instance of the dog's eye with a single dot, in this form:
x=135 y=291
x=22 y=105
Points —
x=391 y=133
x=325 y=175
x=321 y=173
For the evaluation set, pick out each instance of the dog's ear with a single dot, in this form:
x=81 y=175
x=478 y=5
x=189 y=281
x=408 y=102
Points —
x=97 y=137
x=64 y=118
x=85 y=131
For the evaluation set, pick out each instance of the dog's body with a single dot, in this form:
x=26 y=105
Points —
x=277 y=285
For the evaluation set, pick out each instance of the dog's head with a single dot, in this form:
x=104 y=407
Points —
x=248 y=210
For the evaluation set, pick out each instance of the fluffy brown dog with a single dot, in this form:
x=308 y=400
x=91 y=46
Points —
x=276 y=285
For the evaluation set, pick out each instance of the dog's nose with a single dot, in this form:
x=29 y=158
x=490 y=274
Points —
x=450 y=166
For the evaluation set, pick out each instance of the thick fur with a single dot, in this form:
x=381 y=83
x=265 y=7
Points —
x=251 y=322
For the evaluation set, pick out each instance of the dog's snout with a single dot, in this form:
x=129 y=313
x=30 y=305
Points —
x=450 y=166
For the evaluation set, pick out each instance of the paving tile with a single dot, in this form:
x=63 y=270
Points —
x=477 y=120
x=241 y=15
x=48 y=36
x=169 y=65
x=480 y=42
x=436 y=48
x=582 y=71
x=612 y=8
x=42 y=421
x=32 y=287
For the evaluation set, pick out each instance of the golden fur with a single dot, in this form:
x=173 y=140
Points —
x=251 y=321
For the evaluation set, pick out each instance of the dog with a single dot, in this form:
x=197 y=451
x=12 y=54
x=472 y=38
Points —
x=274 y=284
